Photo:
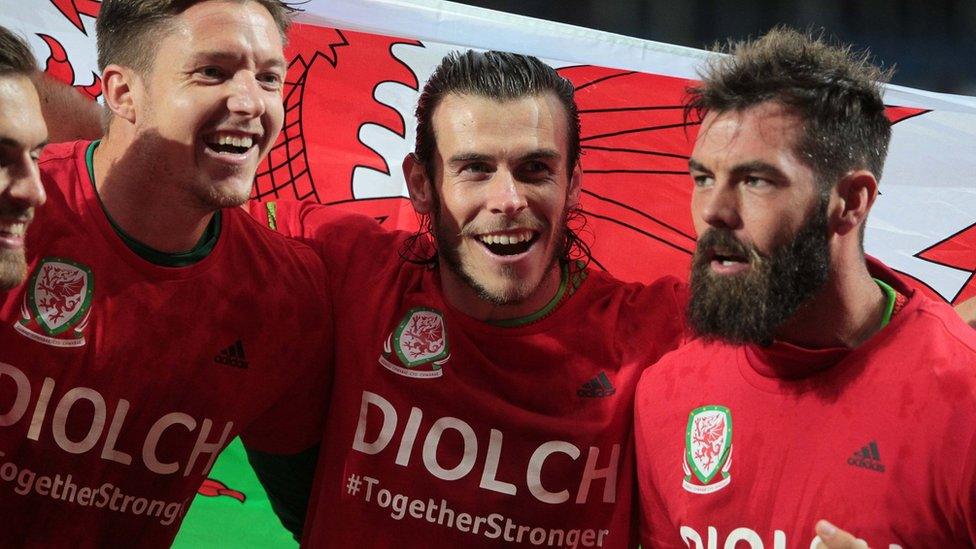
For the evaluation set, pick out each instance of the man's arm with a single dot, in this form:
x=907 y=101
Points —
x=288 y=481
x=69 y=114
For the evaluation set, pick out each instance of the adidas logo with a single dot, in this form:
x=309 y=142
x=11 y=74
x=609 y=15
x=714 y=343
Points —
x=232 y=356
x=867 y=458
x=597 y=387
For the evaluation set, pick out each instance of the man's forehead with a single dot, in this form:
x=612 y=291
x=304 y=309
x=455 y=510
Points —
x=21 y=122
x=768 y=125
x=531 y=120
x=226 y=26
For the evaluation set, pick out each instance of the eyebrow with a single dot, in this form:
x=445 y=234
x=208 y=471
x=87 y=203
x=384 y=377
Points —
x=11 y=143
x=479 y=157
x=745 y=167
x=229 y=57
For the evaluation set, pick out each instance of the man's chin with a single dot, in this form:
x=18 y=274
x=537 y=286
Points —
x=229 y=195
x=13 y=269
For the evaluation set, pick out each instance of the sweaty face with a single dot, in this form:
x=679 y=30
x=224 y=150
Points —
x=502 y=194
x=762 y=225
x=211 y=106
x=22 y=136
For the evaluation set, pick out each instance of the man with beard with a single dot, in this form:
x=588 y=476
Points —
x=484 y=377
x=157 y=321
x=22 y=137
x=841 y=392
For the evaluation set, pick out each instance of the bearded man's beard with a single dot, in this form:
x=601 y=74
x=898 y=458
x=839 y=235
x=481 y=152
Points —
x=750 y=307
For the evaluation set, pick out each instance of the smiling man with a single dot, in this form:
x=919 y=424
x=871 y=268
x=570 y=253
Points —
x=152 y=328
x=484 y=375
x=841 y=392
x=22 y=137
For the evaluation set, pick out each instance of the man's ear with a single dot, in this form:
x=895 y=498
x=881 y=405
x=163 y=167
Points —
x=119 y=87
x=575 y=186
x=418 y=184
x=856 y=193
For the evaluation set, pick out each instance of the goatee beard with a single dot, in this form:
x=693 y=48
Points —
x=749 y=308
x=517 y=293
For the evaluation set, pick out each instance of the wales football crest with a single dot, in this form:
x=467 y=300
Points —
x=708 y=450
x=417 y=347
x=57 y=302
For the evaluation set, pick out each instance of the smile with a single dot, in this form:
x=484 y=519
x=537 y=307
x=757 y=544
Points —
x=508 y=243
x=12 y=233
x=230 y=143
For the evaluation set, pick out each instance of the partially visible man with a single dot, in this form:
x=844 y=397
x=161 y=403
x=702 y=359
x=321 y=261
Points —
x=22 y=137
x=841 y=392
x=158 y=321
x=484 y=376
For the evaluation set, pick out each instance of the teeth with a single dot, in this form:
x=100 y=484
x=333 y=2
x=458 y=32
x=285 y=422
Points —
x=727 y=262
x=14 y=229
x=506 y=238
x=233 y=140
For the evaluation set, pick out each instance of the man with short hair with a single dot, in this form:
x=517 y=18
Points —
x=484 y=374
x=158 y=320
x=22 y=137
x=841 y=392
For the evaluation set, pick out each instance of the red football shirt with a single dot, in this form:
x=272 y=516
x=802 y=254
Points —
x=121 y=380
x=445 y=431
x=753 y=445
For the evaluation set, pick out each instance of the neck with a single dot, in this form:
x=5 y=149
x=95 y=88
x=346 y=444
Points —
x=844 y=313
x=143 y=203
x=460 y=295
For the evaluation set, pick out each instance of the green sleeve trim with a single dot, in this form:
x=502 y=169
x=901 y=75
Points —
x=272 y=210
x=179 y=259
x=546 y=309
x=889 y=309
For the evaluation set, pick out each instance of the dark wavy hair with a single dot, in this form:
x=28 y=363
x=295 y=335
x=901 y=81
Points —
x=501 y=76
x=835 y=90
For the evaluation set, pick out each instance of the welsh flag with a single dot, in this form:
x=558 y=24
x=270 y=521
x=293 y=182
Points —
x=355 y=70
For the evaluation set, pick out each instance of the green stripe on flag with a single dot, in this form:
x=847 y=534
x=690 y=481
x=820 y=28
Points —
x=222 y=520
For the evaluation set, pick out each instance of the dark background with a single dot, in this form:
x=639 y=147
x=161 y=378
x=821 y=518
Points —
x=932 y=43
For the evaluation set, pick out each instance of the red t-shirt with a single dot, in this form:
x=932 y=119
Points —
x=753 y=445
x=445 y=431
x=121 y=380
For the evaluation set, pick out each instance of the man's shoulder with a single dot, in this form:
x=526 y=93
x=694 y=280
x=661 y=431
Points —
x=638 y=298
x=938 y=329
x=266 y=249
x=59 y=162
x=59 y=152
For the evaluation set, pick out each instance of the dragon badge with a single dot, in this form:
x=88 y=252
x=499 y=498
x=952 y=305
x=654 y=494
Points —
x=420 y=339
x=57 y=302
x=708 y=449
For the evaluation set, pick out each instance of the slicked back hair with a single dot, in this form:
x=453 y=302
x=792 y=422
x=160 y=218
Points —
x=495 y=75
x=129 y=31
x=15 y=55
x=500 y=76
x=835 y=91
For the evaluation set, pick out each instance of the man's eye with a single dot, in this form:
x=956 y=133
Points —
x=534 y=170
x=270 y=78
x=211 y=72
x=477 y=167
x=702 y=180
x=756 y=182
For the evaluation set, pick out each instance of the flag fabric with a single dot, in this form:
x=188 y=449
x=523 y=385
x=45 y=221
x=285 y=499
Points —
x=355 y=71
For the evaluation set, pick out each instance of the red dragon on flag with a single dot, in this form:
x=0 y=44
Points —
x=635 y=142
